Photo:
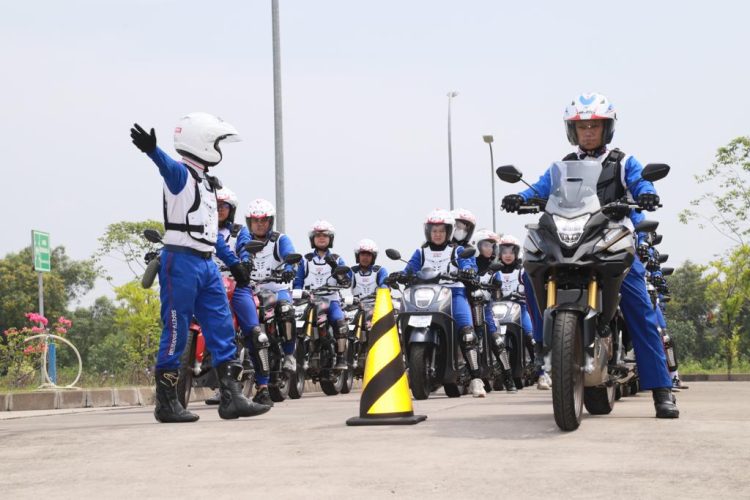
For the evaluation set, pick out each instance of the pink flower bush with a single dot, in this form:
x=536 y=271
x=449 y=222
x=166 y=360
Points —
x=36 y=318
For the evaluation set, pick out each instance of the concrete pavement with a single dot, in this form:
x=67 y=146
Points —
x=502 y=446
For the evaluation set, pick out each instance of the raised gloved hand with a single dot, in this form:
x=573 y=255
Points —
x=240 y=274
x=512 y=202
x=143 y=140
x=648 y=201
x=287 y=276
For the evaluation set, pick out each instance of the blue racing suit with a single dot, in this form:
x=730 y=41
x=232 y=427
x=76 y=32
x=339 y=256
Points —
x=315 y=272
x=635 y=303
x=190 y=282
x=459 y=302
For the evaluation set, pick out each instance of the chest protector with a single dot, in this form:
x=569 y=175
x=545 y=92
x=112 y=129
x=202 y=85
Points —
x=511 y=282
x=609 y=188
x=190 y=216
x=317 y=270
x=364 y=283
x=442 y=261
x=230 y=236
x=266 y=261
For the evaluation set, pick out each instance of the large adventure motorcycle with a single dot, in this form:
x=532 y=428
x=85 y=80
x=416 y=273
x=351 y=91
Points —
x=577 y=257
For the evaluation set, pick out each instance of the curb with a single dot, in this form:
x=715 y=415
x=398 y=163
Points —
x=109 y=397
x=702 y=377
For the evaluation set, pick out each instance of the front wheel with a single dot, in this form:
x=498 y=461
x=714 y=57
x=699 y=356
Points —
x=333 y=383
x=599 y=400
x=567 y=376
x=297 y=384
x=278 y=389
x=419 y=371
x=185 y=374
x=453 y=390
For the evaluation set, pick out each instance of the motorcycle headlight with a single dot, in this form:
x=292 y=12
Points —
x=423 y=296
x=500 y=310
x=570 y=230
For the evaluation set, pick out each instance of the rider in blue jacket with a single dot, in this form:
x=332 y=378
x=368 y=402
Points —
x=439 y=254
x=590 y=124
x=190 y=283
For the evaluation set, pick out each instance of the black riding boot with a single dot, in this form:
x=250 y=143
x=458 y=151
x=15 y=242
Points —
x=664 y=401
x=508 y=382
x=233 y=403
x=168 y=409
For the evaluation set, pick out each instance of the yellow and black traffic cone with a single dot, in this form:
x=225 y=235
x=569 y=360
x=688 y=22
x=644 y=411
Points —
x=385 y=392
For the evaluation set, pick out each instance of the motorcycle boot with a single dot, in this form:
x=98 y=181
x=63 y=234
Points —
x=168 y=409
x=665 y=403
x=469 y=342
x=508 y=382
x=215 y=399
x=342 y=342
x=263 y=397
x=233 y=403
x=257 y=343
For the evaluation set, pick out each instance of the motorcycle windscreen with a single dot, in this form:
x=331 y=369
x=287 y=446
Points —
x=573 y=188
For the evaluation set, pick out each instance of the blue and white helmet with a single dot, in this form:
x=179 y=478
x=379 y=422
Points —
x=590 y=106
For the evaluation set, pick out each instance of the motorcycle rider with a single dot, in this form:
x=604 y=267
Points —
x=260 y=216
x=511 y=276
x=466 y=222
x=439 y=254
x=590 y=124
x=486 y=244
x=366 y=276
x=191 y=283
x=243 y=301
x=315 y=272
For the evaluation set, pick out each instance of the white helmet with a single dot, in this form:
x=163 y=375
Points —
x=438 y=217
x=368 y=246
x=260 y=209
x=197 y=136
x=322 y=226
x=463 y=234
x=226 y=195
x=590 y=106
x=483 y=235
x=508 y=240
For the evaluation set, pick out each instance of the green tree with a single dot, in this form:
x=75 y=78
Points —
x=124 y=242
x=19 y=292
x=91 y=325
x=729 y=287
x=137 y=319
x=726 y=207
x=687 y=312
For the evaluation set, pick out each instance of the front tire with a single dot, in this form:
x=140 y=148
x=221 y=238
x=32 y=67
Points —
x=567 y=376
x=419 y=371
x=453 y=390
x=185 y=374
x=332 y=384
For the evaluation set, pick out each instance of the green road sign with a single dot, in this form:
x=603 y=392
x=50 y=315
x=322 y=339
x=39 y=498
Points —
x=41 y=251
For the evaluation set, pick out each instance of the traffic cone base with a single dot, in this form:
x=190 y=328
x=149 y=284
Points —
x=385 y=392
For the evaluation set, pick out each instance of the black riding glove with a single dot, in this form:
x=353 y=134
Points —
x=512 y=202
x=287 y=276
x=467 y=274
x=648 y=201
x=643 y=252
x=240 y=274
x=143 y=140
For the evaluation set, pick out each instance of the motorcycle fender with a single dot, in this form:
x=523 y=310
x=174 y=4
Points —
x=422 y=335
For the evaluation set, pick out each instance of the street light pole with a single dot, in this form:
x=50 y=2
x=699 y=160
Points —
x=488 y=139
x=278 y=137
x=451 y=95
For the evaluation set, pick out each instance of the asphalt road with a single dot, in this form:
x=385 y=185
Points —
x=504 y=446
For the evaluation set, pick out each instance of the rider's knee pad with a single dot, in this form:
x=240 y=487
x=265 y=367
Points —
x=285 y=311
x=468 y=337
x=342 y=328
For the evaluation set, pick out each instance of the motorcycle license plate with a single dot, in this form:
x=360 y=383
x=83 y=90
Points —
x=420 y=321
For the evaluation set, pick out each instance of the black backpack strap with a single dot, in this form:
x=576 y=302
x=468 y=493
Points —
x=186 y=228
x=571 y=157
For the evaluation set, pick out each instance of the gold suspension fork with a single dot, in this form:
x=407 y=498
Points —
x=593 y=293
x=551 y=292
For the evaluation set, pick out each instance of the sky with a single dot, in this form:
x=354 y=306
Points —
x=364 y=89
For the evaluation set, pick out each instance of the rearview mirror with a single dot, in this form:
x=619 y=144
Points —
x=646 y=226
x=496 y=266
x=254 y=246
x=509 y=174
x=667 y=271
x=657 y=239
x=292 y=258
x=663 y=258
x=467 y=252
x=655 y=171
x=393 y=254
x=152 y=235
x=341 y=271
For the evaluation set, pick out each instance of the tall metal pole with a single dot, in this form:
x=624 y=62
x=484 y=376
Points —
x=451 y=95
x=488 y=139
x=278 y=136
